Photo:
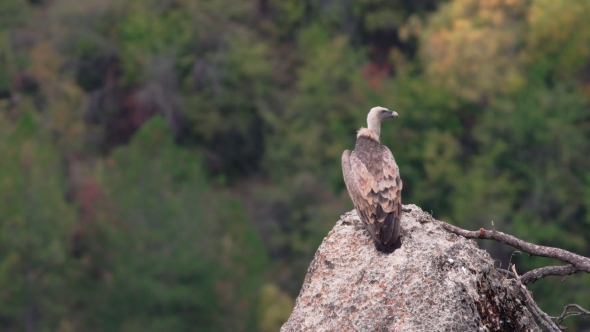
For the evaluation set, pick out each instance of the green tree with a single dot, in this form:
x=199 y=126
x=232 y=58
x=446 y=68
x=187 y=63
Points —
x=35 y=223
x=171 y=255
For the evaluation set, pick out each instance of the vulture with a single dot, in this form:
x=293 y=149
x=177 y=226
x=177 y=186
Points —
x=372 y=179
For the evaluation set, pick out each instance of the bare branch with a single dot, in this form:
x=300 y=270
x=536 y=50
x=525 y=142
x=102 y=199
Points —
x=580 y=263
x=536 y=274
x=577 y=263
x=539 y=315
x=566 y=313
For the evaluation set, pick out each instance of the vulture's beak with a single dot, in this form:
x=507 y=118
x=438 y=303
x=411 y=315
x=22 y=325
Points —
x=394 y=114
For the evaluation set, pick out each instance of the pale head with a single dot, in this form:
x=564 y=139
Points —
x=377 y=115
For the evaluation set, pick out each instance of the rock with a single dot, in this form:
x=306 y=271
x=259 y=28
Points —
x=437 y=281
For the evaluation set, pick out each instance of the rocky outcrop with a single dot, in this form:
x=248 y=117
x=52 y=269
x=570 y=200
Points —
x=437 y=281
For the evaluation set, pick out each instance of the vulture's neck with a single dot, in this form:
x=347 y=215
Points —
x=374 y=125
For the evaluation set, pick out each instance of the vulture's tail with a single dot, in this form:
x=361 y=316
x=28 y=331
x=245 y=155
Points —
x=386 y=248
x=388 y=238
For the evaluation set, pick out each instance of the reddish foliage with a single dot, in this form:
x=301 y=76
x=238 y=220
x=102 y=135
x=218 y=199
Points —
x=86 y=196
x=374 y=74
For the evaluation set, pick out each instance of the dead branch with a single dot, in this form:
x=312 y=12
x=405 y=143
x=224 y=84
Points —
x=576 y=263
x=536 y=274
x=579 y=263
x=566 y=313
x=539 y=315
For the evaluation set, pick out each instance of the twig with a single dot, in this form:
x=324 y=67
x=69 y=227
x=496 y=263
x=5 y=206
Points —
x=506 y=272
x=580 y=263
x=566 y=313
x=512 y=255
x=539 y=315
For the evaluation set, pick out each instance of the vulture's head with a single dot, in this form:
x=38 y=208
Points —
x=379 y=114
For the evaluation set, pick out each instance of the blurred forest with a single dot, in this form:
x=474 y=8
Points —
x=173 y=165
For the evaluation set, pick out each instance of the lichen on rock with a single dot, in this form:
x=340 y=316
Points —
x=437 y=281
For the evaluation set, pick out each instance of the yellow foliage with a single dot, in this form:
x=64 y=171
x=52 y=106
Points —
x=64 y=97
x=471 y=47
x=274 y=308
x=478 y=48
x=560 y=30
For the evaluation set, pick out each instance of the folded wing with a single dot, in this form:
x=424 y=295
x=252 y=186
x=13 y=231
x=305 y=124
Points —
x=375 y=190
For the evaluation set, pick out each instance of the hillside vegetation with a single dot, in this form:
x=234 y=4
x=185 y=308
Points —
x=173 y=165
